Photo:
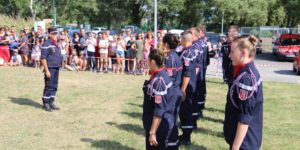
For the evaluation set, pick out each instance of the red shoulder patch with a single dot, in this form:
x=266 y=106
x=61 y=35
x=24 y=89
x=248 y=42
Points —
x=170 y=72
x=186 y=63
x=243 y=95
x=158 y=99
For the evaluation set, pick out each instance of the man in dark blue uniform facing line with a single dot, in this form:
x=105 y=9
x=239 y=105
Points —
x=233 y=32
x=51 y=59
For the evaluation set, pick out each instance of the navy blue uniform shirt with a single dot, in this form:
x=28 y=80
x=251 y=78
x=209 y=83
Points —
x=245 y=105
x=199 y=49
x=174 y=68
x=188 y=57
x=159 y=100
x=227 y=63
x=52 y=53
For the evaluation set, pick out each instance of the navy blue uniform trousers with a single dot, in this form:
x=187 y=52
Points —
x=185 y=115
x=51 y=86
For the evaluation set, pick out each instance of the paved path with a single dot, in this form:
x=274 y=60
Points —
x=269 y=68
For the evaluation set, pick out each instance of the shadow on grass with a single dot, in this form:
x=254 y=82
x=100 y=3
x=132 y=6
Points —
x=210 y=132
x=285 y=72
x=137 y=105
x=214 y=110
x=129 y=128
x=25 y=101
x=135 y=115
x=212 y=119
x=214 y=82
x=193 y=147
x=105 y=144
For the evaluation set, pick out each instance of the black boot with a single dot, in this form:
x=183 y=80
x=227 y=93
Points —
x=195 y=127
x=53 y=106
x=184 y=140
x=200 y=114
x=47 y=107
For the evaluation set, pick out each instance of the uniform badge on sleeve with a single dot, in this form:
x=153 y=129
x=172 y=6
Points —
x=158 y=99
x=243 y=95
x=53 y=49
x=170 y=72
x=186 y=63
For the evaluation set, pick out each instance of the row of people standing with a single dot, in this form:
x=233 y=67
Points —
x=177 y=88
x=171 y=90
x=24 y=44
x=124 y=51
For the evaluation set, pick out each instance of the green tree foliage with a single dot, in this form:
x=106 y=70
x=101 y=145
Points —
x=171 y=13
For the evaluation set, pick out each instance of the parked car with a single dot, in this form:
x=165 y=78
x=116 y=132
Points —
x=296 y=64
x=132 y=28
x=286 y=46
x=214 y=39
x=175 y=32
x=96 y=30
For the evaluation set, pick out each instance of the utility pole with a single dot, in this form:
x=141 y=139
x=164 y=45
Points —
x=155 y=23
x=54 y=13
x=222 y=30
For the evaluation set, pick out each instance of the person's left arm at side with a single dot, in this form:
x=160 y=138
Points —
x=240 y=135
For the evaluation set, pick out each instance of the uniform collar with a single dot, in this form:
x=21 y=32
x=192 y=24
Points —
x=240 y=68
x=170 y=52
x=54 y=42
x=186 y=48
x=154 y=72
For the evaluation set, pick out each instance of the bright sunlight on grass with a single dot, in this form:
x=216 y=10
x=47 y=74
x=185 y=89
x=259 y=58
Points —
x=103 y=111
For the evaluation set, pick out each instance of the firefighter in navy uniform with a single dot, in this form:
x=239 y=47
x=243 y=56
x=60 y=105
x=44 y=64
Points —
x=188 y=87
x=160 y=105
x=200 y=48
x=227 y=67
x=197 y=47
x=173 y=66
x=203 y=61
x=244 y=108
x=51 y=59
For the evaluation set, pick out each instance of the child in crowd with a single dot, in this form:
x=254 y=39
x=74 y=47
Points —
x=74 y=64
x=36 y=53
x=16 y=59
x=82 y=61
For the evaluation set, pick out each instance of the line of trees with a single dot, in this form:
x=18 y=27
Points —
x=172 y=13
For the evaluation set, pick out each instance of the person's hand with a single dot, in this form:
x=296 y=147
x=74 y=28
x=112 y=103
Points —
x=183 y=95
x=152 y=140
x=48 y=74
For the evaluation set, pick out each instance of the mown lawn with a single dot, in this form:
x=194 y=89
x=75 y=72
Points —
x=103 y=111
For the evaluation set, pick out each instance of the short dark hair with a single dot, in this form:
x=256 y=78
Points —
x=171 y=40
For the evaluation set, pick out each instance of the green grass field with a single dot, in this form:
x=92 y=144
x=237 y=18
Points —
x=103 y=111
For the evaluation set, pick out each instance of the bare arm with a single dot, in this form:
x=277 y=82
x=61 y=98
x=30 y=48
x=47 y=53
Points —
x=155 y=123
x=197 y=70
x=185 y=82
x=240 y=135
